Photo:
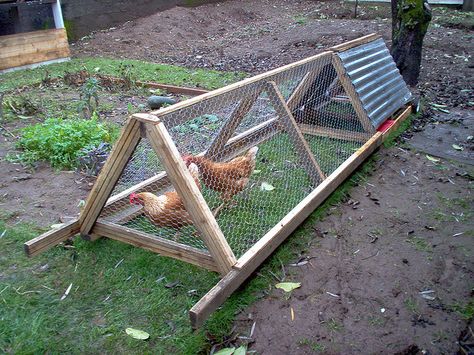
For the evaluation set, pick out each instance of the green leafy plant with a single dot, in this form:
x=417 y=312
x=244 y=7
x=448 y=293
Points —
x=89 y=97
x=60 y=141
x=127 y=74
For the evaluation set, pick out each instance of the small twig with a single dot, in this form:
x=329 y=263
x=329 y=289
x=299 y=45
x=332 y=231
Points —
x=371 y=256
x=8 y=131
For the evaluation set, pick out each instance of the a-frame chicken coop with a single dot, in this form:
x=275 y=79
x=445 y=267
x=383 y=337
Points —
x=313 y=121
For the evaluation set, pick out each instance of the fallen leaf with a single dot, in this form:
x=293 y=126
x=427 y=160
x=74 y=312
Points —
x=457 y=147
x=56 y=226
x=67 y=292
x=257 y=171
x=226 y=351
x=430 y=158
x=137 y=334
x=292 y=313
x=241 y=350
x=267 y=187
x=288 y=286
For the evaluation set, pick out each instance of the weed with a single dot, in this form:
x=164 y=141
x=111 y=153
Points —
x=127 y=74
x=89 y=97
x=376 y=321
x=412 y=305
x=465 y=311
x=315 y=346
x=18 y=105
x=301 y=20
x=334 y=326
x=420 y=244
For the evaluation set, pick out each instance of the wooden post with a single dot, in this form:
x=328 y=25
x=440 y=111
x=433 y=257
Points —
x=194 y=202
x=109 y=175
x=350 y=91
x=287 y=120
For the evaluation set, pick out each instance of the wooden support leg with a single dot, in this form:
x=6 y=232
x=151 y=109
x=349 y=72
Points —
x=301 y=146
x=109 y=175
x=194 y=202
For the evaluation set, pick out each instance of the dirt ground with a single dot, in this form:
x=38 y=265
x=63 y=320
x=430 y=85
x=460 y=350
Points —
x=396 y=236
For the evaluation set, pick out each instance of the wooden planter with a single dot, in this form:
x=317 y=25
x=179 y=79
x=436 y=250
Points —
x=28 y=48
x=282 y=97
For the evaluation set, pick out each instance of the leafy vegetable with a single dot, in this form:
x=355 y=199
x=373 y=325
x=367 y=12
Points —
x=60 y=141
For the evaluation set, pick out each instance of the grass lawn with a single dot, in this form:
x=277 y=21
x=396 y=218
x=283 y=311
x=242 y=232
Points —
x=114 y=286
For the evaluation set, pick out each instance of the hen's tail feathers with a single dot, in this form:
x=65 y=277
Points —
x=252 y=153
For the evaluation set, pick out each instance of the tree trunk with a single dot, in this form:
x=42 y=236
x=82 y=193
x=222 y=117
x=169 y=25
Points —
x=410 y=20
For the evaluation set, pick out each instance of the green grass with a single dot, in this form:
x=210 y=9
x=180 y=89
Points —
x=161 y=73
x=313 y=345
x=412 y=305
x=105 y=300
x=465 y=311
x=108 y=294
x=420 y=244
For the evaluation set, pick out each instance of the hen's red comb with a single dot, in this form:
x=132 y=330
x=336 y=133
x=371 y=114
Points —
x=133 y=196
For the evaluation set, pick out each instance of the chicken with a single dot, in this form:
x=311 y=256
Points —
x=227 y=178
x=166 y=210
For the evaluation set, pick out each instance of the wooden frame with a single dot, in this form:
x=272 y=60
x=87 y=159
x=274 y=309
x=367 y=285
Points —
x=95 y=220
x=23 y=50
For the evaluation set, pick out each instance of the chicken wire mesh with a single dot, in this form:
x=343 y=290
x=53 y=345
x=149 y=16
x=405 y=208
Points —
x=245 y=151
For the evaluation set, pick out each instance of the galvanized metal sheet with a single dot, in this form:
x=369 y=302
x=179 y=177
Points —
x=376 y=80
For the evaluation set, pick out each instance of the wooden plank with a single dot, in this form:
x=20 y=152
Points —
x=229 y=127
x=33 y=47
x=170 y=88
x=109 y=175
x=334 y=133
x=40 y=57
x=194 y=202
x=249 y=262
x=301 y=146
x=155 y=244
x=355 y=42
x=27 y=37
x=353 y=96
x=36 y=49
x=51 y=238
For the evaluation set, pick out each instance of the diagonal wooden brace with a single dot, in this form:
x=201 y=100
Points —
x=231 y=125
x=287 y=120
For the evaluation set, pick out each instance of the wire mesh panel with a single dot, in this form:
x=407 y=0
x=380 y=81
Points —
x=245 y=150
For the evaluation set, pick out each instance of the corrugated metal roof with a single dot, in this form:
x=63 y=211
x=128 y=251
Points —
x=376 y=80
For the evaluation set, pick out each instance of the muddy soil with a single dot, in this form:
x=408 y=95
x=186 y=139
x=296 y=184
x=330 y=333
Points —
x=397 y=235
x=386 y=269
